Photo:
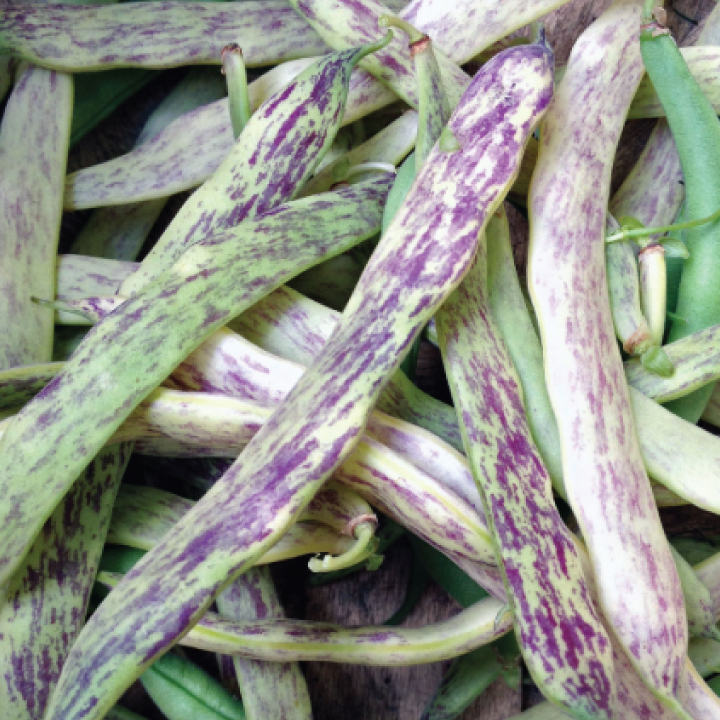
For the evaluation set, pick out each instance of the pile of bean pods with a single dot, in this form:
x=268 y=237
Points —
x=177 y=414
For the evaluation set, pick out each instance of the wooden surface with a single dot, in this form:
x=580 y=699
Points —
x=369 y=598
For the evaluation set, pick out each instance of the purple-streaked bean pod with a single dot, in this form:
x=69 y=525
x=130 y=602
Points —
x=565 y=646
x=182 y=156
x=397 y=479
x=119 y=232
x=281 y=640
x=174 y=161
x=165 y=34
x=424 y=254
x=466 y=27
x=277 y=152
x=432 y=102
x=19 y=384
x=511 y=313
x=34 y=138
x=214 y=280
x=46 y=599
x=268 y=689
x=606 y=484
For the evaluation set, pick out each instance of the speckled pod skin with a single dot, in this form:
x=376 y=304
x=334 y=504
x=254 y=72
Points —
x=142 y=515
x=278 y=150
x=510 y=312
x=698 y=601
x=606 y=483
x=46 y=599
x=697 y=363
x=177 y=158
x=269 y=690
x=136 y=347
x=34 y=140
x=165 y=34
x=565 y=646
x=422 y=257
x=390 y=145
x=289 y=640
x=119 y=232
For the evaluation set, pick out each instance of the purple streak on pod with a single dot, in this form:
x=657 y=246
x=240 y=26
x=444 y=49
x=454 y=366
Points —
x=153 y=35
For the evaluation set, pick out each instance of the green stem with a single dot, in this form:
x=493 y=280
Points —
x=413 y=34
x=233 y=67
x=364 y=534
x=648 y=8
x=645 y=232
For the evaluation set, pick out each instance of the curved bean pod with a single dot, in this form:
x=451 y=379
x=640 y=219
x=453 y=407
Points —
x=535 y=550
x=171 y=161
x=289 y=640
x=164 y=34
x=34 y=138
x=639 y=590
x=269 y=690
x=277 y=152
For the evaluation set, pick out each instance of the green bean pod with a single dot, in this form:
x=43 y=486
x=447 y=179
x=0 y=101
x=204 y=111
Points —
x=46 y=599
x=696 y=131
x=269 y=690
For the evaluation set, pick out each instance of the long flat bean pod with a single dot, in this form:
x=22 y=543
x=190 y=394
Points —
x=154 y=34
x=424 y=254
x=541 y=569
x=605 y=480
x=269 y=690
x=46 y=599
x=180 y=157
x=193 y=299
x=34 y=139
x=119 y=232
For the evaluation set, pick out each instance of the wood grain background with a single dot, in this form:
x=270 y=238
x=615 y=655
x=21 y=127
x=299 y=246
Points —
x=340 y=691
